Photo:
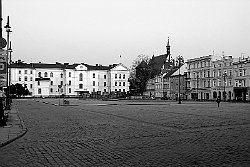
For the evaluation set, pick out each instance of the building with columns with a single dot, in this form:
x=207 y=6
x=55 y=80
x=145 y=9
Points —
x=48 y=80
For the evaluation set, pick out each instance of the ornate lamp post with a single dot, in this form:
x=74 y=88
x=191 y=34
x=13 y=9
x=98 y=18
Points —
x=7 y=27
x=224 y=91
x=180 y=63
x=197 y=76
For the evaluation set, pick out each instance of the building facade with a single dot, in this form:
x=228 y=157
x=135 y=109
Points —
x=71 y=80
x=209 y=77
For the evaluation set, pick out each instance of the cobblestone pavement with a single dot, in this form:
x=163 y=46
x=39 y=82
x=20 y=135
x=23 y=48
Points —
x=122 y=133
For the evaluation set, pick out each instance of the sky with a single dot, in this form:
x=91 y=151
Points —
x=117 y=31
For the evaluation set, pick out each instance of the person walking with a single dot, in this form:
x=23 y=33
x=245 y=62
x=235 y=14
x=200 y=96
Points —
x=218 y=101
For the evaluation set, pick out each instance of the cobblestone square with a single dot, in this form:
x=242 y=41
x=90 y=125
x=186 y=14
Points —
x=130 y=133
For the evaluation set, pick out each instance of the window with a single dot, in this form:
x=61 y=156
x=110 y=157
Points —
x=123 y=83
x=240 y=72
x=214 y=73
x=105 y=84
x=219 y=73
x=31 y=78
x=105 y=90
x=25 y=71
x=31 y=72
x=31 y=86
x=115 y=83
x=45 y=74
x=20 y=72
x=61 y=82
x=69 y=90
x=93 y=83
x=105 y=77
x=120 y=84
x=115 y=76
x=69 y=82
x=69 y=74
x=39 y=74
x=120 y=76
x=123 y=90
x=80 y=77
x=80 y=86
x=39 y=91
x=51 y=82
x=51 y=74
x=214 y=84
x=61 y=75
x=230 y=82
x=25 y=78
x=230 y=72
x=38 y=83
x=51 y=90
x=219 y=82
x=244 y=72
x=123 y=76
x=208 y=83
x=93 y=75
x=20 y=79
x=208 y=73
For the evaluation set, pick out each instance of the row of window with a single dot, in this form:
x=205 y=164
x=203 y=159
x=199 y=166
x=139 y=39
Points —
x=61 y=75
x=238 y=83
x=25 y=72
x=70 y=90
x=81 y=85
x=240 y=72
x=208 y=64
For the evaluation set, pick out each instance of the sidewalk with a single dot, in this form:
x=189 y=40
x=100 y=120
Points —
x=15 y=128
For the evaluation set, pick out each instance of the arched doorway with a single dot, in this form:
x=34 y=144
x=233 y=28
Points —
x=214 y=95
x=219 y=94
x=229 y=95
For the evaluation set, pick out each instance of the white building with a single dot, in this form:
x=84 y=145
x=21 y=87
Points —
x=71 y=80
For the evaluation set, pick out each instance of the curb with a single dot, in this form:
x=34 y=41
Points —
x=24 y=131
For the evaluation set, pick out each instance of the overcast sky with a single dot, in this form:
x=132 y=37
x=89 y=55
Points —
x=99 y=31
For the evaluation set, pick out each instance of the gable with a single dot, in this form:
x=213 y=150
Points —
x=81 y=67
x=120 y=67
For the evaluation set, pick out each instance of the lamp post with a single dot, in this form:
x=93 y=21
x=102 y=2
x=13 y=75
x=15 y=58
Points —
x=197 y=76
x=7 y=27
x=224 y=92
x=180 y=63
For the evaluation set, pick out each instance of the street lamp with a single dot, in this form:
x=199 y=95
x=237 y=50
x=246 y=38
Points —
x=197 y=76
x=180 y=60
x=224 y=92
x=7 y=27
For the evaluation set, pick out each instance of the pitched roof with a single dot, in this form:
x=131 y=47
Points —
x=60 y=66
x=157 y=62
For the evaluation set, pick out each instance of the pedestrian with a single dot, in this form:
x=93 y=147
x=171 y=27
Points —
x=218 y=101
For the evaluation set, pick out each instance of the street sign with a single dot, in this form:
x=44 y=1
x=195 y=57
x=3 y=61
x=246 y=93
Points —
x=3 y=69
x=3 y=42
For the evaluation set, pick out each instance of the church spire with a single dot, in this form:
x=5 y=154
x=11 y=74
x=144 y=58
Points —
x=168 y=51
